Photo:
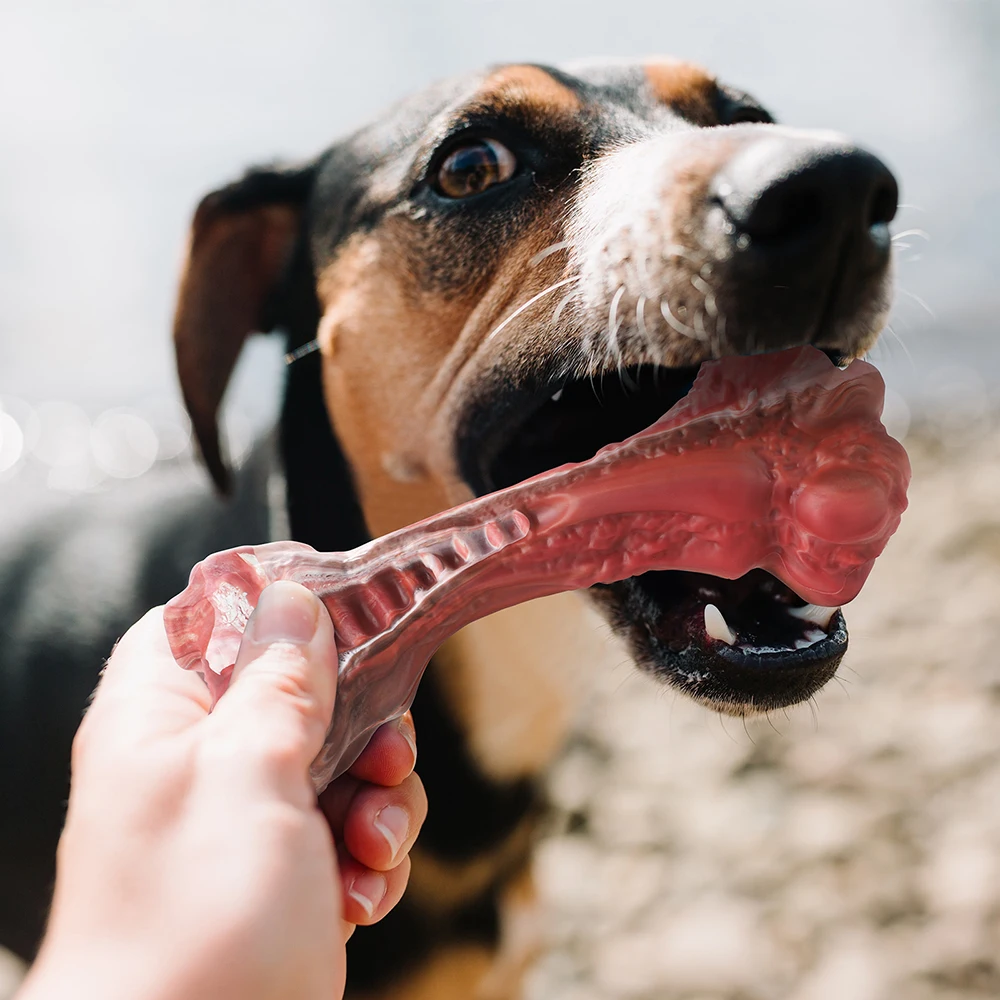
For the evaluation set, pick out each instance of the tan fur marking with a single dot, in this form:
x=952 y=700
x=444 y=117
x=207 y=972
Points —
x=440 y=887
x=685 y=87
x=391 y=354
x=453 y=974
x=382 y=344
x=528 y=87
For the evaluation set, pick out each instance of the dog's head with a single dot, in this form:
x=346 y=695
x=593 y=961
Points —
x=512 y=270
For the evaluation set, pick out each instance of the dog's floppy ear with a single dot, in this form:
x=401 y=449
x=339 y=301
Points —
x=242 y=242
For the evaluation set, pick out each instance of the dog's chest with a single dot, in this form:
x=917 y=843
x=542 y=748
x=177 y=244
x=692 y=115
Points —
x=514 y=681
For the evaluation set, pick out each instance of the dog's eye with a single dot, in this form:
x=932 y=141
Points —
x=473 y=168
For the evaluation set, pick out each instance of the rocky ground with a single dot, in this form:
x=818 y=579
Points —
x=845 y=851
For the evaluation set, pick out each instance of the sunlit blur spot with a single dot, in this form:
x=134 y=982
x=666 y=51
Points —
x=174 y=440
x=896 y=415
x=123 y=444
x=26 y=417
x=63 y=435
x=11 y=442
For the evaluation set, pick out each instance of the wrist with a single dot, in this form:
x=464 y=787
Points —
x=85 y=974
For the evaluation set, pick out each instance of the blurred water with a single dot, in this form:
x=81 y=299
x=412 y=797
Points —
x=115 y=117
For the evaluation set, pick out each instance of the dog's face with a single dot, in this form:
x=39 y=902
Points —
x=516 y=269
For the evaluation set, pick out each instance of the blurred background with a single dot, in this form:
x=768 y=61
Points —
x=115 y=117
x=854 y=856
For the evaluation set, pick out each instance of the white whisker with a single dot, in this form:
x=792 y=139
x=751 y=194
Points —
x=919 y=301
x=548 y=251
x=701 y=284
x=640 y=318
x=711 y=309
x=563 y=302
x=614 y=324
x=912 y=232
x=675 y=323
x=526 y=305
x=699 y=325
x=906 y=350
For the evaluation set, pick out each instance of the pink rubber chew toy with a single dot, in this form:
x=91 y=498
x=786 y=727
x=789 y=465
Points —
x=778 y=462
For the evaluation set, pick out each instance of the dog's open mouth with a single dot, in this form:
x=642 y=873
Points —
x=772 y=468
x=741 y=645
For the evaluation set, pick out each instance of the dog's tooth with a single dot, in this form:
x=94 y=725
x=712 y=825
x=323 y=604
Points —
x=556 y=396
x=814 y=613
x=813 y=636
x=716 y=626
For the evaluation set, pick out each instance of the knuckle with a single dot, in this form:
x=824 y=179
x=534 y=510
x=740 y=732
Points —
x=267 y=695
x=253 y=746
x=283 y=673
x=284 y=826
x=286 y=750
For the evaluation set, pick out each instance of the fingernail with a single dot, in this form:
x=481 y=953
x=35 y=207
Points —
x=394 y=824
x=408 y=733
x=285 y=612
x=368 y=890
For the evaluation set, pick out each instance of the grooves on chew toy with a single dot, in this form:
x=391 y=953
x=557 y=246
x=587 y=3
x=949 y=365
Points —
x=777 y=462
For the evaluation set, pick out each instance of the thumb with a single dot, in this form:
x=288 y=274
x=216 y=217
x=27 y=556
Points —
x=280 y=699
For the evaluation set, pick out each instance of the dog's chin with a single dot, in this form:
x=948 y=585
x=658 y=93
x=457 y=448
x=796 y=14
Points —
x=739 y=646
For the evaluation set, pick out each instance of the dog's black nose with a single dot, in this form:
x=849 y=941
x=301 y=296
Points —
x=784 y=195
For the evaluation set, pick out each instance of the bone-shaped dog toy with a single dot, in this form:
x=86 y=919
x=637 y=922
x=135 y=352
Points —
x=778 y=462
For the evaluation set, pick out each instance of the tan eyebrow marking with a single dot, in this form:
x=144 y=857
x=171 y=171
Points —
x=527 y=88
x=686 y=88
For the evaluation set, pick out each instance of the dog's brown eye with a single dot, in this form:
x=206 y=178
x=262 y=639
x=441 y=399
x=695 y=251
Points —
x=475 y=167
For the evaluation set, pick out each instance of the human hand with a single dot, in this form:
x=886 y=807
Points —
x=195 y=862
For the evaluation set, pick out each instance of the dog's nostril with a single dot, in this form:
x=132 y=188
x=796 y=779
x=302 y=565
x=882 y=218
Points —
x=789 y=193
x=782 y=212
x=884 y=203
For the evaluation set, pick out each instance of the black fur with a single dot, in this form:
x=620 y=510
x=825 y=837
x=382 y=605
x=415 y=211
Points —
x=467 y=813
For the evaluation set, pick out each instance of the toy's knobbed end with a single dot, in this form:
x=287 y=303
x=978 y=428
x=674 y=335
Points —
x=205 y=623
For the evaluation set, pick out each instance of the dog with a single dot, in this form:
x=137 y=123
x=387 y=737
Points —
x=502 y=274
